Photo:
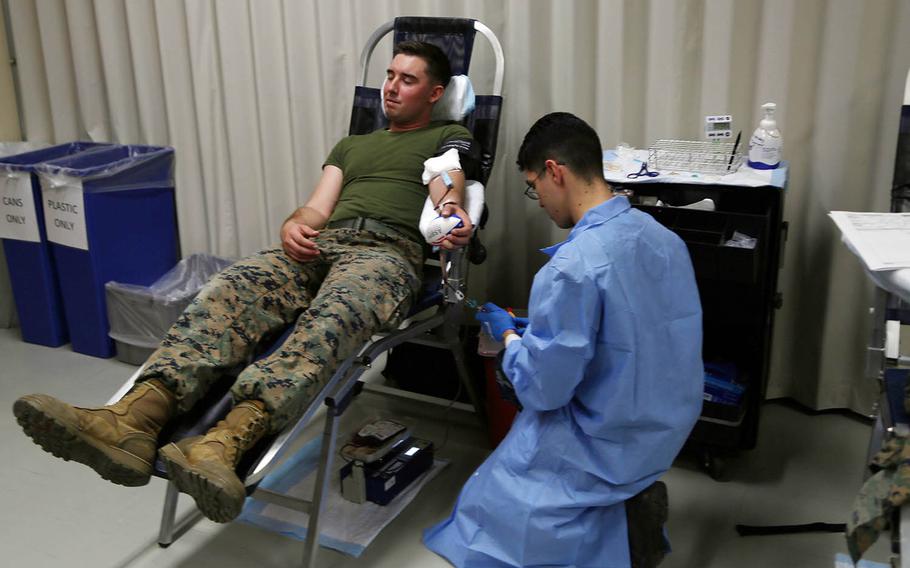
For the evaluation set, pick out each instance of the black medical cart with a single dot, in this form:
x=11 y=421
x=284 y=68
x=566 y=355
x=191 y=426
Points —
x=738 y=290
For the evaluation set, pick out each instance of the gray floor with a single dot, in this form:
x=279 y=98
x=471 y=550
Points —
x=54 y=513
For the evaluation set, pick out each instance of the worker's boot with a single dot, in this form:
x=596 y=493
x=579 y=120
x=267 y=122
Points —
x=204 y=466
x=118 y=441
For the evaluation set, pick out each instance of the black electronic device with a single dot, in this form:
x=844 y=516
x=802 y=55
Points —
x=374 y=440
x=375 y=434
x=381 y=480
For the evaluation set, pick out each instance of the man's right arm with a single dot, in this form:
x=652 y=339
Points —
x=551 y=359
x=299 y=231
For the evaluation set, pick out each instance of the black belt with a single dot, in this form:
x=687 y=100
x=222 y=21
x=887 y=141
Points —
x=367 y=224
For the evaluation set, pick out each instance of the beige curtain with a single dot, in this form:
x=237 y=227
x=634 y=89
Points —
x=253 y=93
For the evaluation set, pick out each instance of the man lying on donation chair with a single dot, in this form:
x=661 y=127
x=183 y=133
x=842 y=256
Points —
x=348 y=267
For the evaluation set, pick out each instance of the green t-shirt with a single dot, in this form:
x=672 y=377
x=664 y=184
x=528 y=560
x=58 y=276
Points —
x=382 y=174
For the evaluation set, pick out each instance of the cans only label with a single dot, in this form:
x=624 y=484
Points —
x=18 y=220
x=64 y=211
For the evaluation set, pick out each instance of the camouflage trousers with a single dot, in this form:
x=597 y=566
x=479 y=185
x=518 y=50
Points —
x=881 y=495
x=362 y=283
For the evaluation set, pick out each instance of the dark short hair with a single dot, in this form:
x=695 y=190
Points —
x=438 y=67
x=563 y=137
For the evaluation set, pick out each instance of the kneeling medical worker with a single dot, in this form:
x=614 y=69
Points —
x=608 y=372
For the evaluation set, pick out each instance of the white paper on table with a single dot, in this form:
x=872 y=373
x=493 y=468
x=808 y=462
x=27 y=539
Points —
x=619 y=163
x=881 y=240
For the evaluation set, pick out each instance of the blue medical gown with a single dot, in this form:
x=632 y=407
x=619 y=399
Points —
x=610 y=375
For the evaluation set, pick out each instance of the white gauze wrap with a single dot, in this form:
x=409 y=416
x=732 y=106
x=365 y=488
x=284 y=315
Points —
x=446 y=162
x=434 y=226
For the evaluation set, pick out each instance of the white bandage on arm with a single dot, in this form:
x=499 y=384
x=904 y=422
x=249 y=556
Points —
x=443 y=163
x=433 y=226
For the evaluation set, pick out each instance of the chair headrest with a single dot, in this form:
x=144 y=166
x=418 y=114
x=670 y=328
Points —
x=457 y=101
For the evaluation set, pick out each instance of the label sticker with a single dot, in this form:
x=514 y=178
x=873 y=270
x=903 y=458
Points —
x=18 y=219
x=64 y=211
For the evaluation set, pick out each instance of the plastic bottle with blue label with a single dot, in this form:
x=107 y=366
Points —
x=765 y=145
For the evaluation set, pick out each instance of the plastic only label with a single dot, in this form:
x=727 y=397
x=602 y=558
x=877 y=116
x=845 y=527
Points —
x=18 y=220
x=64 y=211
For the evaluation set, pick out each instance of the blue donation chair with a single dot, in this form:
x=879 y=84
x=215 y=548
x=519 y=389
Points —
x=444 y=295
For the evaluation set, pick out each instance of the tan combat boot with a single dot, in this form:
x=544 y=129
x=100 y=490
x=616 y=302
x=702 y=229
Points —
x=204 y=466
x=117 y=441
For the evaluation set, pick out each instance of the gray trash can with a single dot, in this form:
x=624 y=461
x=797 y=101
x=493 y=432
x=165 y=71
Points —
x=140 y=316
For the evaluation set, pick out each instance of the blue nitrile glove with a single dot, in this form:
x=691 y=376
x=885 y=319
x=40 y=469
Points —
x=520 y=325
x=495 y=319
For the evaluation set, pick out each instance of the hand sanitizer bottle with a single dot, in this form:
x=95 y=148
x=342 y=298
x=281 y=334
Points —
x=764 y=147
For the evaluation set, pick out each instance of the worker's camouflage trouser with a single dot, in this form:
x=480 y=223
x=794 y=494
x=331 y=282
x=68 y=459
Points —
x=880 y=496
x=362 y=282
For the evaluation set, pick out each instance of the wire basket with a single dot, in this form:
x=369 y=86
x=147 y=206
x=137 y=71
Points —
x=694 y=156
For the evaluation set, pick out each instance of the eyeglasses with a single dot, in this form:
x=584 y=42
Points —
x=531 y=189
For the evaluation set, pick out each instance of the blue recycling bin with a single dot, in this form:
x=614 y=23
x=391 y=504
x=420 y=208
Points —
x=110 y=215
x=33 y=276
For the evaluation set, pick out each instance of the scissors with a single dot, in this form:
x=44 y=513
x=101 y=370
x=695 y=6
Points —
x=643 y=172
